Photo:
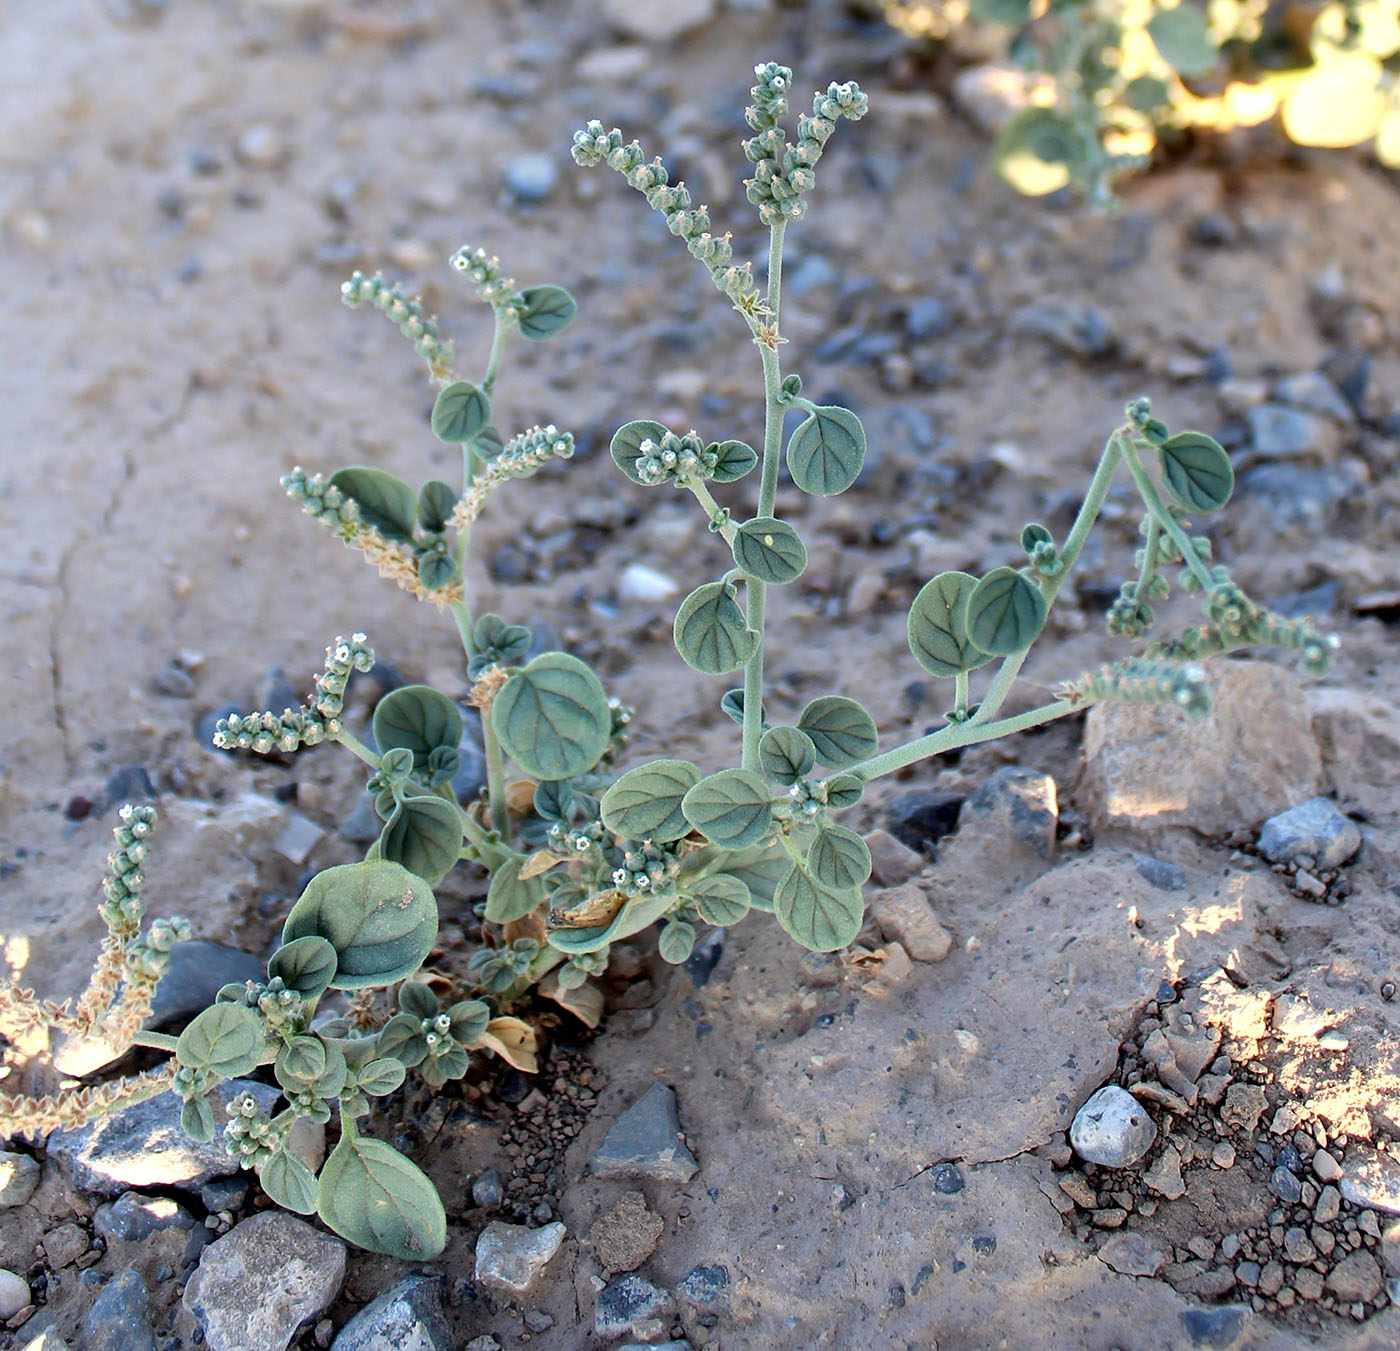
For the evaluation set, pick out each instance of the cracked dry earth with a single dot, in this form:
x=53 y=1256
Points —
x=882 y=1137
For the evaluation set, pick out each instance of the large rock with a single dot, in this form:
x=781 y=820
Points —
x=1007 y=827
x=1317 y=828
x=19 y=1175
x=658 y=20
x=265 y=1279
x=408 y=1317
x=118 y=1319
x=645 y=1141
x=1146 y=766
x=510 y=1257
x=1112 y=1129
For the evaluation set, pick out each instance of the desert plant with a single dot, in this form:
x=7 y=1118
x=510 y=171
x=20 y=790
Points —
x=578 y=856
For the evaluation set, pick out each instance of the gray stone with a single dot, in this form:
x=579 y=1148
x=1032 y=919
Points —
x=1218 y=1328
x=904 y=916
x=1132 y=1254
x=1298 y=496
x=266 y=1278
x=1286 y=1186
x=645 y=585
x=19 y=1175
x=363 y=824
x=927 y=318
x=891 y=861
x=143 y=1146
x=1157 y=873
x=1071 y=325
x=1279 y=432
x=625 y=1302
x=132 y=1217
x=408 y=1317
x=487 y=1190
x=117 y=1320
x=1373 y=1182
x=297 y=838
x=658 y=20
x=1313 y=391
x=14 y=1294
x=1164 y=1177
x=1017 y=802
x=1357 y=1277
x=645 y=1141
x=510 y=1257
x=1317 y=828
x=42 y=1334
x=1113 y=1129
x=706 y=1287
x=531 y=178
x=923 y=816
x=470 y=778
x=262 y=147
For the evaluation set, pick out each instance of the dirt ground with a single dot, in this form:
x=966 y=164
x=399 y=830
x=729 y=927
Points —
x=184 y=189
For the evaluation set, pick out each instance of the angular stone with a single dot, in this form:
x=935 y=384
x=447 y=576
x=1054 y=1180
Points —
x=117 y=1320
x=1146 y=766
x=892 y=862
x=1315 y=392
x=1357 y=1277
x=645 y=1141
x=626 y=1302
x=407 y=1317
x=266 y=1278
x=1244 y=1105
x=1112 y=1129
x=627 y=1235
x=19 y=1175
x=658 y=20
x=1071 y=325
x=1164 y=876
x=1325 y=1167
x=1373 y=1182
x=1316 y=828
x=921 y=817
x=1279 y=432
x=1329 y=1205
x=133 y=1217
x=1164 y=1177
x=706 y=1287
x=1192 y=1048
x=1133 y=1254
x=510 y=1257
x=905 y=916
x=1007 y=826
x=487 y=1190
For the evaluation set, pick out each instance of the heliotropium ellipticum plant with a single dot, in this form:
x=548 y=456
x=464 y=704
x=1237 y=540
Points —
x=578 y=856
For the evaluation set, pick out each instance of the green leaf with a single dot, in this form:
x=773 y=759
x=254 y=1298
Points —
x=735 y=459
x=1183 y=38
x=1146 y=94
x=552 y=800
x=825 y=453
x=289 y=1183
x=1039 y=152
x=760 y=870
x=381 y=919
x=545 y=311
x=721 y=898
x=380 y=1077
x=508 y=898
x=301 y=1060
x=645 y=803
x=507 y=642
x=374 y=1197
x=417 y=718
x=844 y=790
x=488 y=443
x=732 y=808
x=331 y=1080
x=710 y=631
x=469 y=1019
x=676 y=941
x=841 y=730
x=552 y=717
x=306 y=965
x=626 y=445
x=1031 y=535
x=820 y=920
x=436 y=570
x=425 y=835
x=770 y=550
x=197 y=1120
x=462 y=410
x=731 y=704
x=938 y=635
x=1005 y=612
x=435 y=503
x=1011 y=13
x=418 y=999
x=786 y=755
x=631 y=919
x=1197 y=471
x=401 y=1039
x=385 y=502
x=226 y=1040
x=839 y=859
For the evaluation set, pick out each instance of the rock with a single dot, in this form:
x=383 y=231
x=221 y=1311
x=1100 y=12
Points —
x=1112 y=1129
x=927 y=318
x=133 y=1217
x=64 y=1244
x=1132 y=1254
x=1017 y=802
x=923 y=816
x=1278 y=432
x=143 y=1146
x=948 y=1180
x=363 y=824
x=1372 y=1182
x=510 y=1257
x=1357 y=1277
x=626 y=1302
x=19 y=1175
x=266 y=1278
x=645 y=585
x=1317 y=828
x=14 y=1294
x=1329 y=1205
x=1146 y=766
x=645 y=1141
x=117 y=1320
x=905 y=916
x=530 y=179
x=658 y=20
x=1218 y=1328
x=488 y=1191
x=1313 y=391
x=297 y=838
x=891 y=861
x=992 y=95
x=1071 y=325
x=470 y=779
x=174 y=682
x=406 y=1317
x=1164 y=1177
x=1244 y=1105
x=865 y=593
x=614 y=66
x=486 y=1342
x=1192 y=1048
x=1163 y=876
x=1325 y=1167
x=704 y=957
x=627 y=1235
x=1286 y=1186
x=705 y=1287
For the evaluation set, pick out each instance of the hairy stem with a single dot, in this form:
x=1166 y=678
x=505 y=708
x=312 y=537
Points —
x=1149 y=560
x=960 y=683
x=498 y=342
x=1158 y=509
x=356 y=747
x=157 y=1041
x=495 y=777
x=712 y=508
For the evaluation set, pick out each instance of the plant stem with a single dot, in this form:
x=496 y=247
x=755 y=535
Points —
x=495 y=777
x=960 y=683
x=498 y=341
x=712 y=508
x=461 y=610
x=157 y=1041
x=1149 y=560
x=356 y=747
x=767 y=493
x=1153 y=501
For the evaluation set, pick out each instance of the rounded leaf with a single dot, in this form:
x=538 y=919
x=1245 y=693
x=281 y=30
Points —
x=844 y=790
x=841 y=730
x=306 y=965
x=425 y=835
x=552 y=717
x=1197 y=471
x=435 y=503
x=760 y=870
x=820 y=920
x=197 y=1120
x=786 y=755
x=627 y=442
x=510 y=897
x=401 y=1038
x=632 y=918
x=385 y=502
x=1038 y=152
x=1011 y=13
x=289 y=1183
x=469 y=1019
x=770 y=550
x=645 y=803
x=374 y=1197
x=418 y=1000
x=417 y=718
x=1183 y=38
x=938 y=635
x=460 y=412
x=825 y=453
x=710 y=631
x=226 y=1039
x=301 y=1060
x=436 y=570
x=1005 y=612
x=839 y=858
x=735 y=459
x=1147 y=94
x=381 y=919
x=721 y=898
x=731 y=704
x=488 y=442
x=544 y=311
x=380 y=1077
x=676 y=941
x=732 y=808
